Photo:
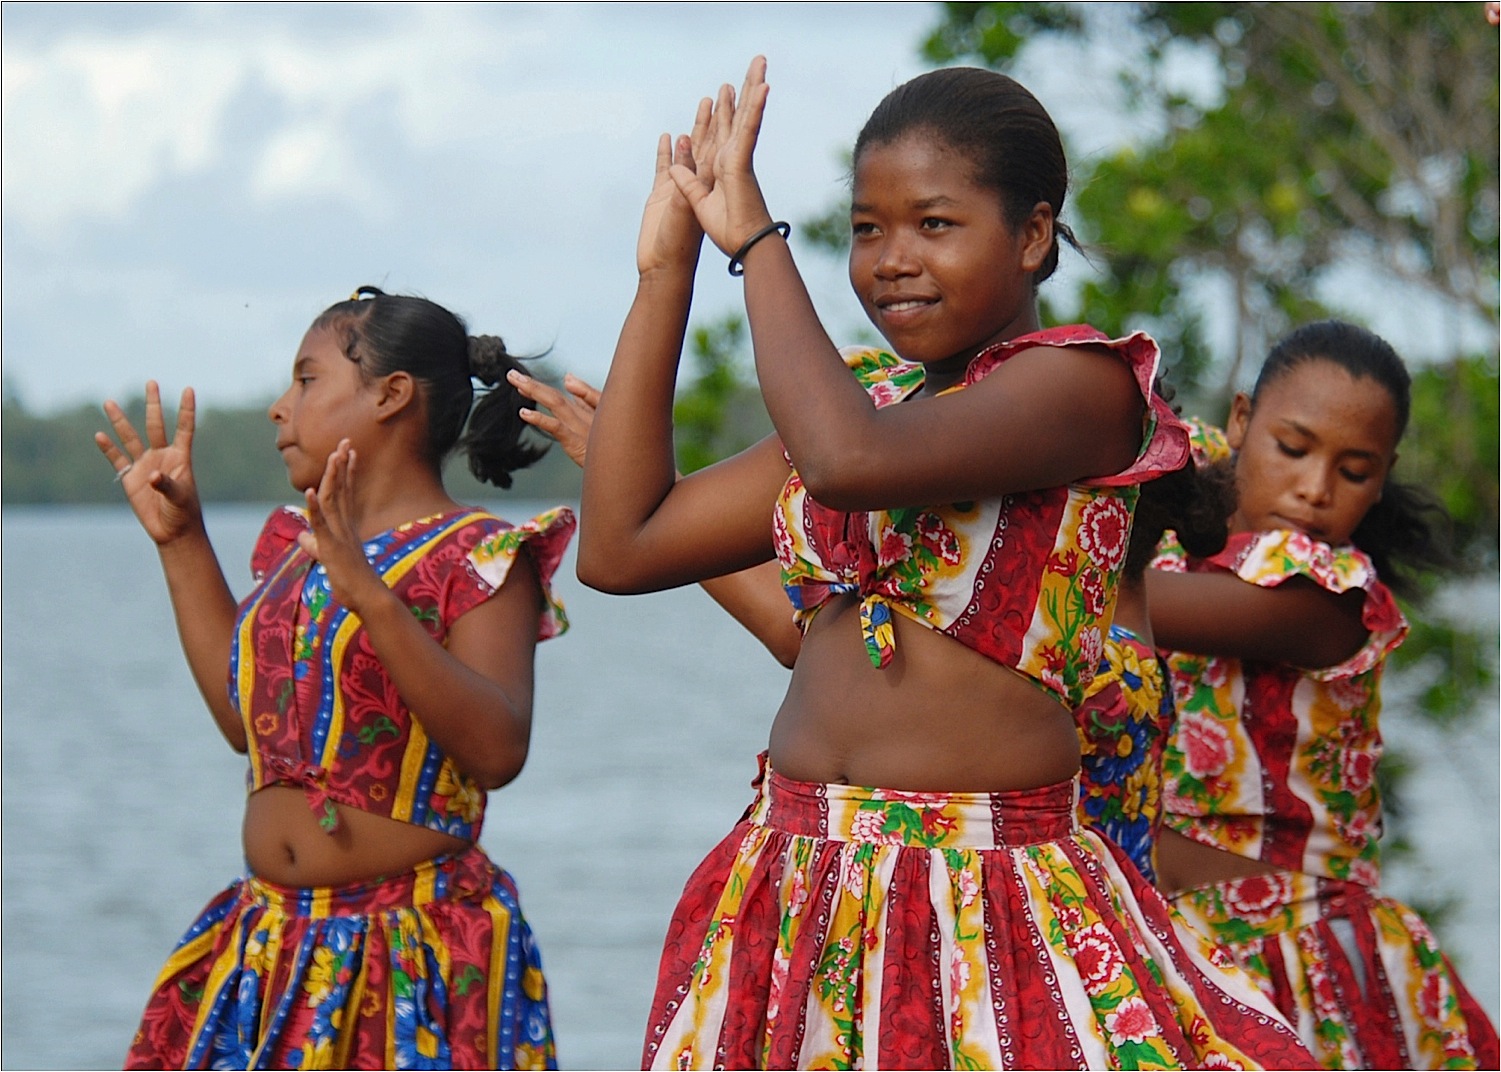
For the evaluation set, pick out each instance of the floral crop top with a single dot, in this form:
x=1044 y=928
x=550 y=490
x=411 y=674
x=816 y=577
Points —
x=318 y=708
x=1027 y=580
x=1270 y=761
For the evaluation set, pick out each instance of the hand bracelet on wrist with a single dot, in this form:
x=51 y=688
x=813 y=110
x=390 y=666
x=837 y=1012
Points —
x=782 y=227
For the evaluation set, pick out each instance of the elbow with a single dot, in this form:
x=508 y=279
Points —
x=839 y=484
x=493 y=772
x=604 y=573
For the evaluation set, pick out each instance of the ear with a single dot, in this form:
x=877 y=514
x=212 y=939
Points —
x=1240 y=420
x=395 y=393
x=1037 y=236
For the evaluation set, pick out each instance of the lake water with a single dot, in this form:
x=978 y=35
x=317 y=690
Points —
x=121 y=802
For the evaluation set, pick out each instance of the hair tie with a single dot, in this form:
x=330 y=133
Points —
x=365 y=293
x=782 y=227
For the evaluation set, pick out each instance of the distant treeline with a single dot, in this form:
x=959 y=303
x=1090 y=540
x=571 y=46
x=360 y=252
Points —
x=53 y=459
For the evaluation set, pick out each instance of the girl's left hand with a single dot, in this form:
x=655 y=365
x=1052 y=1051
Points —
x=335 y=537
x=731 y=208
x=572 y=410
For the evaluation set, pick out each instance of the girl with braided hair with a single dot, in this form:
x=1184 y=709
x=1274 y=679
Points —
x=380 y=679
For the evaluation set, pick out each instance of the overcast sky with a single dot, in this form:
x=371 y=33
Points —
x=185 y=187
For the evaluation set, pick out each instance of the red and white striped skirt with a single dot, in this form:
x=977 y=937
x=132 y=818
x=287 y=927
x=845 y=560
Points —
x=846 y=927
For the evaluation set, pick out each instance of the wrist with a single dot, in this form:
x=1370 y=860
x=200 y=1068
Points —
x=752 y=240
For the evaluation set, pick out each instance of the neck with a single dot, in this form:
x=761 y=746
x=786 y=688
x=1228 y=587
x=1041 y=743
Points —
x=387 y=496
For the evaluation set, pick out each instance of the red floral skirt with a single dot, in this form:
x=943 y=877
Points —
x=841 y=927
x=1360 y=976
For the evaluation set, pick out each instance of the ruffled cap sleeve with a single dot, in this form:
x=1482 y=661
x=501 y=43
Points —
x=1270 y=558
x=546 y=537
x=278 y=536
x=1165 y=440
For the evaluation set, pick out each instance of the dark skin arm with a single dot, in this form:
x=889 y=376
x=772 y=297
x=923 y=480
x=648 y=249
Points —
x=753 y=597
x=1296 y=622
x=1016 y=430
x=157 y=477
x=476 y=692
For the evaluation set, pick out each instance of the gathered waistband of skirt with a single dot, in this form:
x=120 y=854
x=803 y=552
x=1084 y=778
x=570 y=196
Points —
x=451 y=877
x=921 y=820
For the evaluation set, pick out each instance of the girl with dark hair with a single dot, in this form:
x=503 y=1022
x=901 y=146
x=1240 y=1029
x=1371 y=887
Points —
x=1277 y=648
x=910 y=887
x=380 y=678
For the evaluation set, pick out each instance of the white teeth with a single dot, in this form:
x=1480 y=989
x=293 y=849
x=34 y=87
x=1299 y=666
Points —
x=903 y=306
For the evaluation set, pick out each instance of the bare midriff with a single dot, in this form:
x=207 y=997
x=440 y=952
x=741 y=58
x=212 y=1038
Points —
x=1184 y=864
x=284 y=843
x=940 y=717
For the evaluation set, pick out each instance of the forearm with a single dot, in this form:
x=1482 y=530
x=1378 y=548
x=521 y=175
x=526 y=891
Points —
x=631 y=466
x=205 y=611
x=819 y=410
x=471 y=718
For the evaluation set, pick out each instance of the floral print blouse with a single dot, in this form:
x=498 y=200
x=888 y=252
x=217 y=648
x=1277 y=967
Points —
x=1274 y=762
x=1026 y=579
x=319 y=709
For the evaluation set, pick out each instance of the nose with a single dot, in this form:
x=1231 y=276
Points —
x=278 y=410
x=895 y=258
x=1316 y=484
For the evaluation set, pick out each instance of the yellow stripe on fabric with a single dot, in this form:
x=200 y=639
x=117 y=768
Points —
x=495 y=992
x=322 y=903
x=415 y=753
x=221 y=971
x=349 y=1029
x=245 y=690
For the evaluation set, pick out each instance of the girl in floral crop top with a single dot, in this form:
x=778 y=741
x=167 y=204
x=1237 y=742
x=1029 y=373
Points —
x=910 y=887
x=380 y=678
x=1277 y=645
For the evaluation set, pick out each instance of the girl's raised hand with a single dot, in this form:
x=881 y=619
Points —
x=725 y=196
x=572 y=410
x=157 y=476
x=334 y=516
x=670 y=235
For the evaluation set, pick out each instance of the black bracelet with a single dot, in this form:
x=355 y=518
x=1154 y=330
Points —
x=782 y=227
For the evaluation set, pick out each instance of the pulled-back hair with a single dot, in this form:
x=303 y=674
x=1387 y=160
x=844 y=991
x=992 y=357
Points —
x=1194 y=503
x=1408 y=530
x=995 y=123
x=385 y=333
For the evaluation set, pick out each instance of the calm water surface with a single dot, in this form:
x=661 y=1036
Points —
x=121 y=802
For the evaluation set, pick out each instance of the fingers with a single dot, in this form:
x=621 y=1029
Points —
x=156 y=429
x=664 y=154
x=124 y=430
x=187 y=409
x=581 y=389
x=543 y=393
x=112 y=454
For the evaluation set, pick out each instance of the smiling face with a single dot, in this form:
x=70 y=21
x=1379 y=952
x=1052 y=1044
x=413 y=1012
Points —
x=1314 y=452
x=940 y=272
x=327 y=401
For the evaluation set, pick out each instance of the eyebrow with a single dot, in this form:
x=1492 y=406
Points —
x=1311 y=434
x=937 y=201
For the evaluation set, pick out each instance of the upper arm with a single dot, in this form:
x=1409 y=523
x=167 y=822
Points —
x=1295 y=622
x=497 y=639
x=1048 y=416
x=710 y=523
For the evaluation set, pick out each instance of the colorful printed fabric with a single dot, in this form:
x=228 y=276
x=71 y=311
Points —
x=1276 y=763
x=1123 y=727
x=1028 y=580
x=839 y=927
x=432 y=969
x=1360 y=976
x=318 y=707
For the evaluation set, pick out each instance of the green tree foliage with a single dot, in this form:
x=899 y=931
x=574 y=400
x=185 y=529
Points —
x=1336 y=132
x=720 y=411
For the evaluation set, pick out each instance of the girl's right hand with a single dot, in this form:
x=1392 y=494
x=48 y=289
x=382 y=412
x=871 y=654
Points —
x=670 y=234
x=572 y=410
x=157 y=476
